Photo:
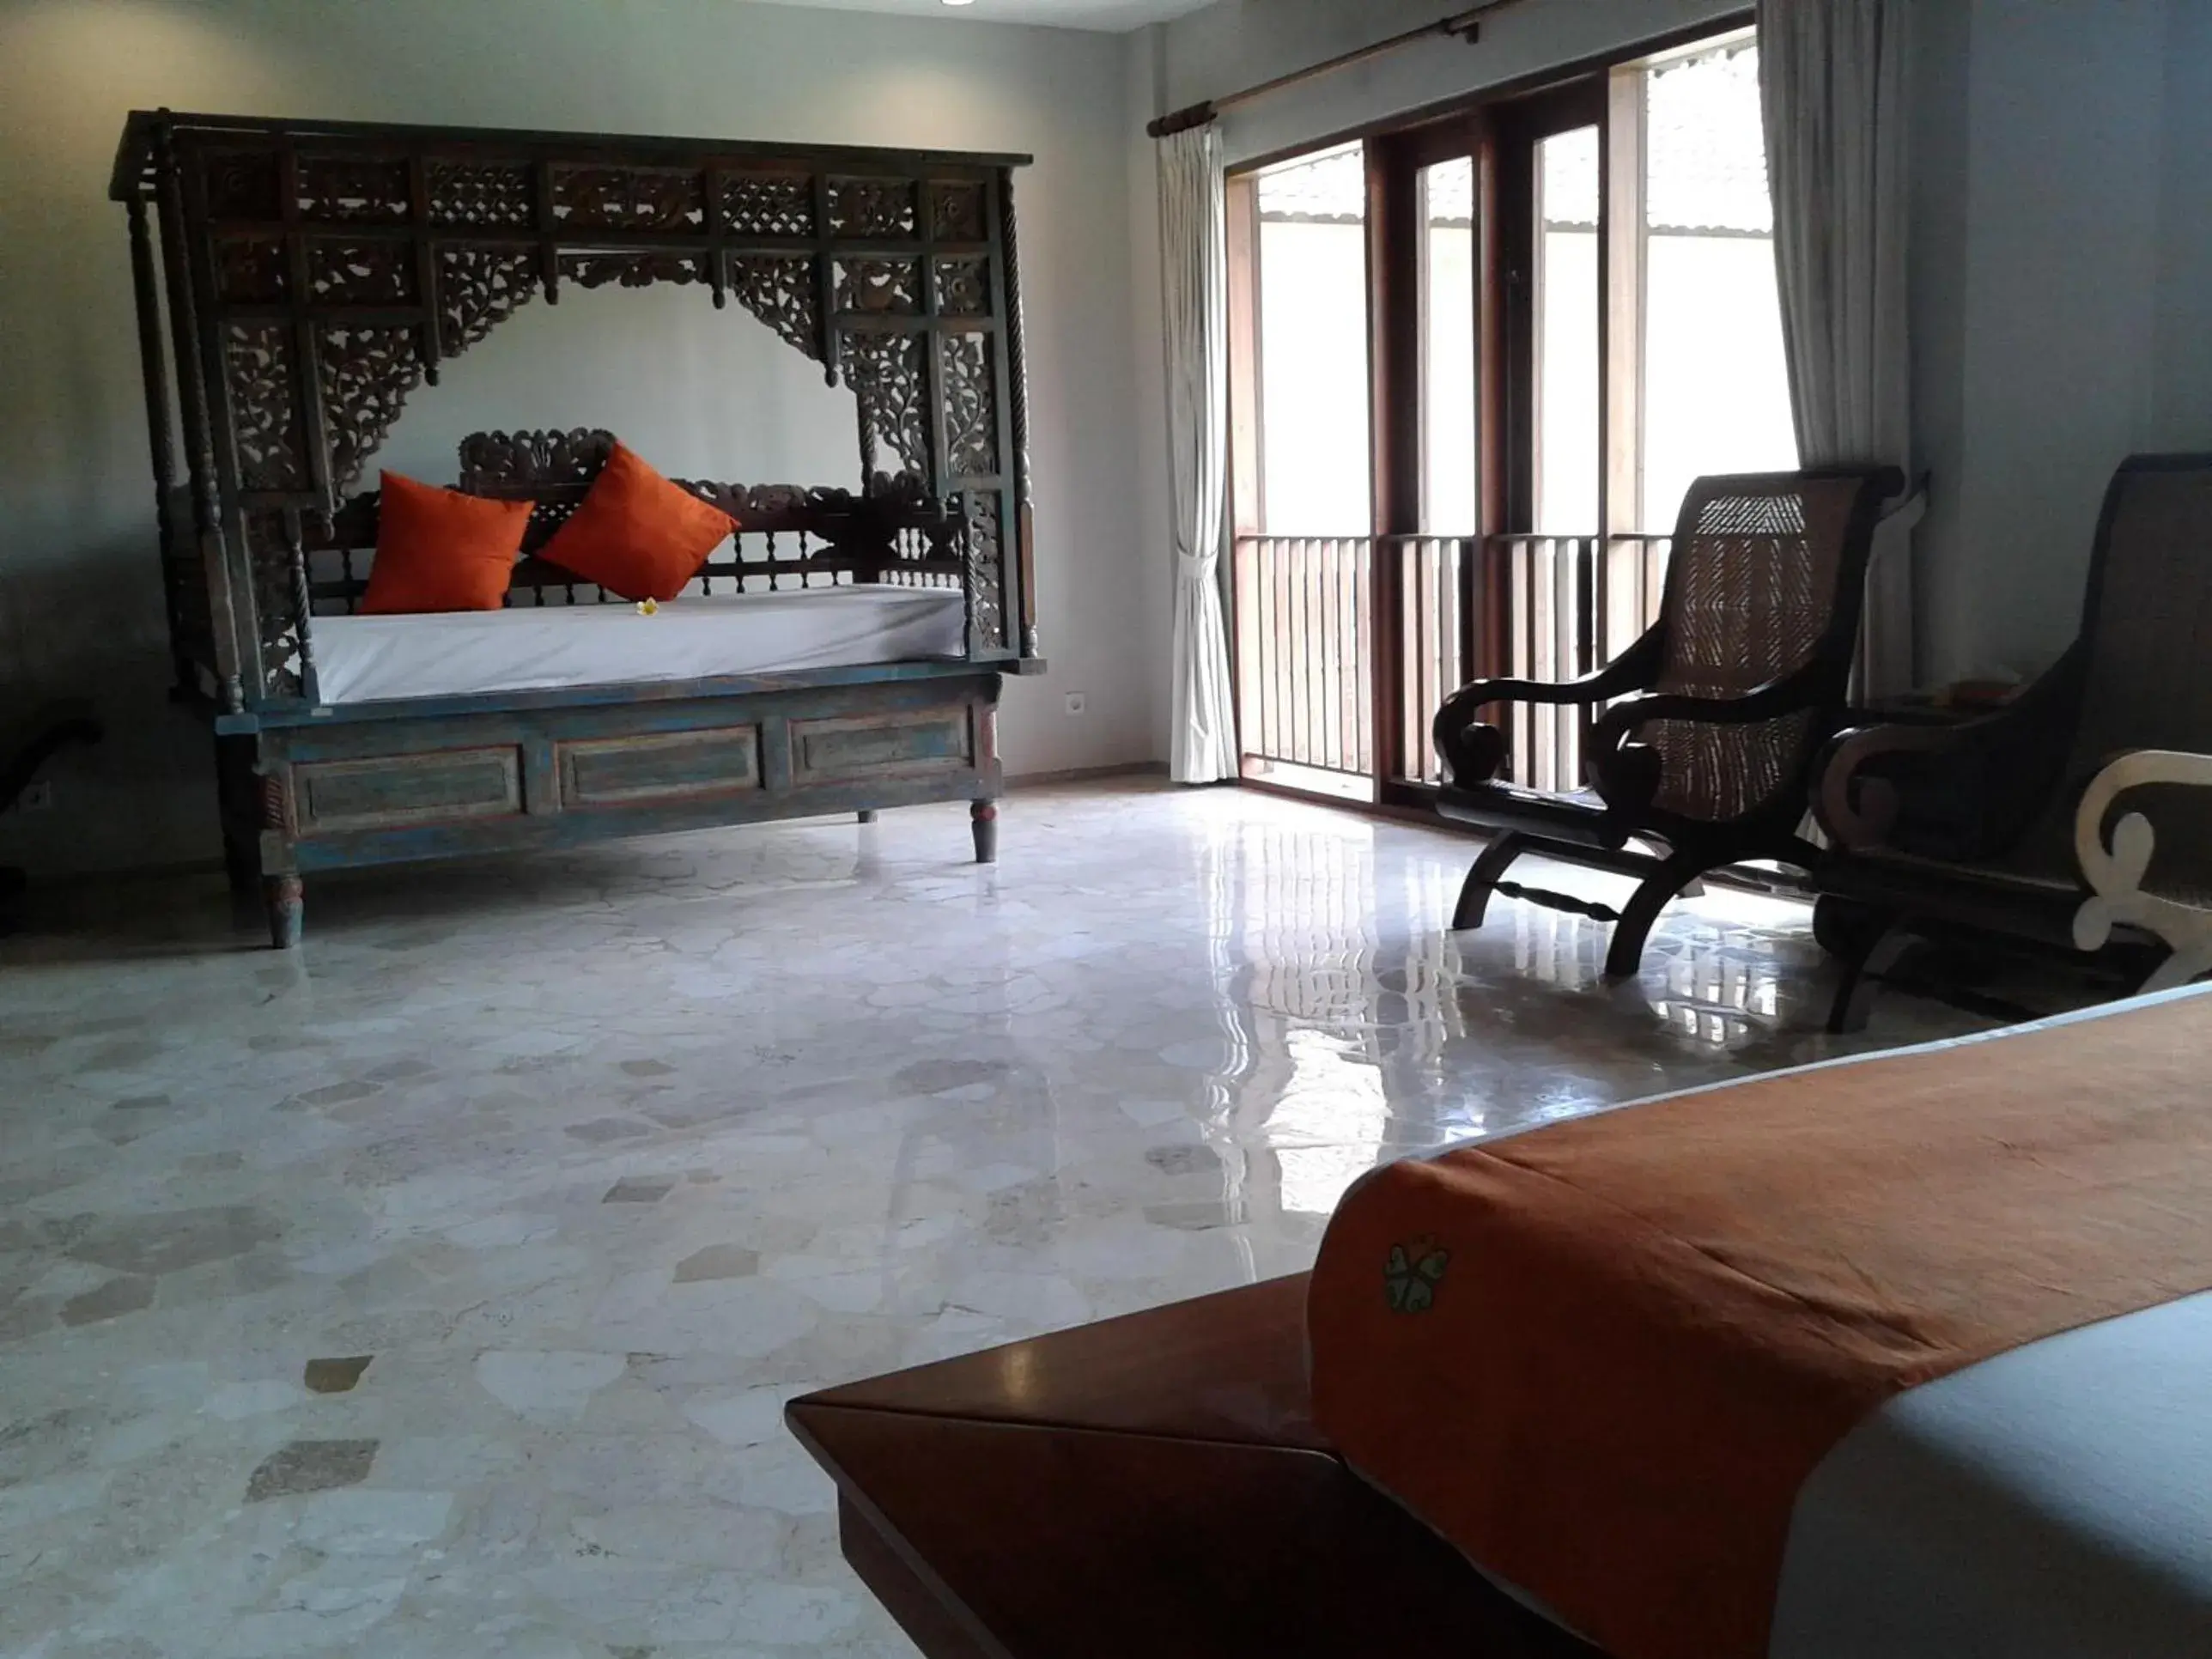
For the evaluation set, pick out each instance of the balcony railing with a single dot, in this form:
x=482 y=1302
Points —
x=1313 y=711
x=1305 y=658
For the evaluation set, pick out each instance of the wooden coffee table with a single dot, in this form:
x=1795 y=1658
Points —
x=1141 y=1488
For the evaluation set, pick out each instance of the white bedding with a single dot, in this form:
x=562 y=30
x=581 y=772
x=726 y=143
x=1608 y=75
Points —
x=529 y=648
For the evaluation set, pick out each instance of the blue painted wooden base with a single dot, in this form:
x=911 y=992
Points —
x=393 y=782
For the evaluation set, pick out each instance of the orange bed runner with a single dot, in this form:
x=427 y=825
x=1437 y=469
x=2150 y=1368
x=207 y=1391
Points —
x=1602 y=1357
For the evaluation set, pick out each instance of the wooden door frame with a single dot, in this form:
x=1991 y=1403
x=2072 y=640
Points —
x=1497 y=128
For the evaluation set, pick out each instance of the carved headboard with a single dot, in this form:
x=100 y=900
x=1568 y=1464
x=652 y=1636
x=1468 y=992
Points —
x=789 y=535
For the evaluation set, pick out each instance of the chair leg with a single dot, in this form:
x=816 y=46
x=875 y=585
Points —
x=1489 y=870
x=867 y=815
x=1855 y=996
x=983 y=819
x=1624 y=958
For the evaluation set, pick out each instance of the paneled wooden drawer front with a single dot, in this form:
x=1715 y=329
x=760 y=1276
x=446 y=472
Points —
x=394 y=791
x=905 y=743
x=619 y=771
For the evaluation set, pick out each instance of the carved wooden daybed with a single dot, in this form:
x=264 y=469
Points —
x=307 y=276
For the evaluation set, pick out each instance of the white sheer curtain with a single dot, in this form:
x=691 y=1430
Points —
x=1832 y=81
x=1195 y=276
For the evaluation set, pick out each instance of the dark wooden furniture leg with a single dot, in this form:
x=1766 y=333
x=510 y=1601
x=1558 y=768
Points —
x=1482 y=880
x=1624 y=958
x=983 y=819
x=1147 y=1486
x=1854 y=995
x=866 y=815
x=286 y=899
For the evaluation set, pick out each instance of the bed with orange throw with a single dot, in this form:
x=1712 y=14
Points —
x=1894 y=1357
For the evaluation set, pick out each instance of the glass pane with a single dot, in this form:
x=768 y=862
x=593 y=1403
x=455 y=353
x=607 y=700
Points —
x=1566 y=301
x=1715 y=386
x=1314 y=450
x=1448 y=387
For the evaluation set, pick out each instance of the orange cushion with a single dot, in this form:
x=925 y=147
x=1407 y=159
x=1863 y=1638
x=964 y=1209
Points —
x=636 y=534
x=438 y=550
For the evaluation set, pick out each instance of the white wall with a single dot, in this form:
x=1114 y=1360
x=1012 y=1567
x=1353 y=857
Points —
x=2062 y=295
x=702 y=392
x=2045 y=283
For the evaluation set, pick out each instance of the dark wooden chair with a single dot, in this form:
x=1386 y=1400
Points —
x=2010 y=826
x=1718 y=712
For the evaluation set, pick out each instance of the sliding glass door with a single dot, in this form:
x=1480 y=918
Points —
x=1474 y=365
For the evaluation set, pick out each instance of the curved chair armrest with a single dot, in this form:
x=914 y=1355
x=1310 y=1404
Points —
x=1627 y=774
x=1474 y=760
x=1633 y=669
x=1789 y=695
x=2116 y=872
x=2118 y=869
x=2003 y=767
x=1859 y=812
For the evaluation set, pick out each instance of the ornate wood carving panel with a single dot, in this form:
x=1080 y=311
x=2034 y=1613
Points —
x=370 y=272
x=275 y=603
x=879 y=209
x=489 y=195
x=783 y=291
x=638 y=269
x=251 y=270
x=366 y=374
x=479 y=289
x=964 y=287
x=968 y=374
x=489 y=460
x=986 y=610
x=885 y=372
x=265 y=408
x=886 y=287
x=768 y=204
x=629 y=198
x=354 y=190
x=241 y=184
x=956 y=212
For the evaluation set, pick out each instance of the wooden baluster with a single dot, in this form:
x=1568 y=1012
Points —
x=302 y=604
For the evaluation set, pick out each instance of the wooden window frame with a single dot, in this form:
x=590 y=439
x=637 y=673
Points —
x=1497 y=128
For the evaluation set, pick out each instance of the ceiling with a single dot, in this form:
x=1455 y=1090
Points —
x=1113 y=15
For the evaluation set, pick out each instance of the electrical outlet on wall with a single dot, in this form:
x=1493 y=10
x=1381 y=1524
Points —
x=1076 y=702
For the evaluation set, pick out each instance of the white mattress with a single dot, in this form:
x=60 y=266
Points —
x=531 y=648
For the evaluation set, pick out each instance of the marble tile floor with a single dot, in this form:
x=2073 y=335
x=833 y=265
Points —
x=433 y=1292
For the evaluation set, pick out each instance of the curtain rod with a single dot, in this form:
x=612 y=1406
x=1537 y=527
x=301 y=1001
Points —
x=1465 y=26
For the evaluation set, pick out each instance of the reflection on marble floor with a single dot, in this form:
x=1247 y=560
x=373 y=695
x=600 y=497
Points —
x=435 y=1291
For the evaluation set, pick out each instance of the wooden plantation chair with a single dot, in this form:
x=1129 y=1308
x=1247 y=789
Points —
x=2080 y=814
x=1723 y=706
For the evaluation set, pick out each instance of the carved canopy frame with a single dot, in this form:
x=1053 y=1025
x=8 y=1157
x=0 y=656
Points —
x=313 y=274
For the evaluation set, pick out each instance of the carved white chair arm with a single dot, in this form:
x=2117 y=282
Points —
x=2114 y=873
